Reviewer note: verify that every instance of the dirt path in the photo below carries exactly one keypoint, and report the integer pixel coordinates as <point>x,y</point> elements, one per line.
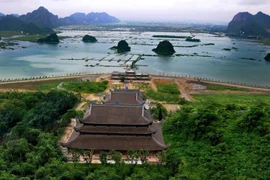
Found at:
<point>152,85</point>
<point>16,90</point>
<point>184,89</point>
<point>238,86</point>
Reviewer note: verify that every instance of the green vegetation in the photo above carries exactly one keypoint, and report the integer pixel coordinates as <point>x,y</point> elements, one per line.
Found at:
<point>192,46</point>
<point>51,39</point>
<point>86,86</point>
<point>31,38</point>
<point>192,55</point>
<point>7,45</point>
<point>122,47</point>
<point>164,48</point>
<point>225,88</point>
<point>9,33</point>
<point>215,137</point>
<point>232,98</point>
<point>226,49</point>
<point>159,112</point>
<point>265,41</point>
<point>208,44</point>
<point>267,57</point>
<point>191,39</point>
<point>155,95</point>
<point>165,92</point>
<point>228,136</point>
<point>170,36</point>
<point>250,59</point>
<point>88,38</point>
<point>170,88</point>
<point>47,86</point>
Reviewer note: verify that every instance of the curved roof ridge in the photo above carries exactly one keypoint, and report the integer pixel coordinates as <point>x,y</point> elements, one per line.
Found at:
<point>69,142</point>
<point>147,120</point>
<point>159,143</point>
<point>153,129</point>
<point>79,127</point>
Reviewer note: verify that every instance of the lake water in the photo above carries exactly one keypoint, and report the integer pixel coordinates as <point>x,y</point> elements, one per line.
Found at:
<point>233,66</point>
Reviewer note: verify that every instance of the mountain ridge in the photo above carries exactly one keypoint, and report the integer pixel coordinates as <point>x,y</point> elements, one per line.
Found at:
<point>245,24</point>
<point>12,23</point>
<point>44,18</point>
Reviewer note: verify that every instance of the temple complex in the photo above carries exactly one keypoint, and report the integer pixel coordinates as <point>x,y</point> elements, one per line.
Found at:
<point>120,123</point>
<point>130,76</point>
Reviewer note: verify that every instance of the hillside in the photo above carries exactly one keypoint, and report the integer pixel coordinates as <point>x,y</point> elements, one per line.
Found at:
<point>41,21</point>
<point>12,23</point>
<point>245,24</point>
<point>44,18</point>
<point>41,17</point>
<point>91,18</point>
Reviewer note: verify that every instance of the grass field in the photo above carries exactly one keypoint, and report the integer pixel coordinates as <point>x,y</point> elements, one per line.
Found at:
<point>166,91</point>
<point>35,85</point>
<point>265,42</point>
<point>225,88</point>
<point>232,98</point>
<point>169,88</point>
<point>31,38</point>
<point>9,33</point>
<point>86,86</point>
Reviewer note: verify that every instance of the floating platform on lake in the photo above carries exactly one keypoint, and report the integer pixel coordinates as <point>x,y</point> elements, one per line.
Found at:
<point>127,60</point>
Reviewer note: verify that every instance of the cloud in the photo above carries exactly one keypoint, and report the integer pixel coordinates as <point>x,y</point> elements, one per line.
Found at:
<point>253,2</point>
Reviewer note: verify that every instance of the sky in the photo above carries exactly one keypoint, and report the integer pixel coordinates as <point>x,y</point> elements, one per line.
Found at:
<point>187,11</point>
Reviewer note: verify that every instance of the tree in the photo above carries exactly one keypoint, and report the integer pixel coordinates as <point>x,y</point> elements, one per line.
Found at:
<point>76,153</point>
<point>116,156</point>
<point>17,149</point>
<point>103,157</point>
<point>88,154</point>
<point>133,156</point>
<point>143,155</point>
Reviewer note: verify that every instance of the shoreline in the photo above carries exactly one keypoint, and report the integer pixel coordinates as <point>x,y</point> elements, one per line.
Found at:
<point>188,80</point>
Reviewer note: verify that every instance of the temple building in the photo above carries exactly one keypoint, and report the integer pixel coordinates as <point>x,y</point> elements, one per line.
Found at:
<point>121,123</point>
<point>130,76</point>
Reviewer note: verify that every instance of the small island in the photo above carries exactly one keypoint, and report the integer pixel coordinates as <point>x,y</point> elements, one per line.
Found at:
<point>267,57</point>
<point>169,36</point>
<point>121,47</point>
<point>191,39</point>
<point>89,39</point>
<point>164,48</point>
<point>51,39</point>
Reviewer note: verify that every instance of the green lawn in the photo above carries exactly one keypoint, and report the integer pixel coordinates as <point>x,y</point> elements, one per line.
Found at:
<point>232,98</point>
<point>9,33</point>
<point>169,88</point>
<point>225,88</point>
<point>86,86</point>
<point>48,86</point>
<point>31,38</point>
<point>165,92</point>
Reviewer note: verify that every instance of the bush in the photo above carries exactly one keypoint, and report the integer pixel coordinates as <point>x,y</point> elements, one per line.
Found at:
<point>86,87</point>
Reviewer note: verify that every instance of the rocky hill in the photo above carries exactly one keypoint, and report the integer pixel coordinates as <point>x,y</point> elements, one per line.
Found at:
<point>91,18</point>
<point>41,17</point>
<point>245,24</point>
<point>42,21</point>
<point>51,39</point>
<point>12,23</point>
<point>164,48</point>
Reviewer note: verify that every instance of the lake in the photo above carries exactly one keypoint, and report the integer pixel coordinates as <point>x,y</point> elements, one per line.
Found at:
<point>211,61</point>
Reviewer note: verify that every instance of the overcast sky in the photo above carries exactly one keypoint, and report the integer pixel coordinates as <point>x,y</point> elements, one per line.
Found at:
<point>210,11</point>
